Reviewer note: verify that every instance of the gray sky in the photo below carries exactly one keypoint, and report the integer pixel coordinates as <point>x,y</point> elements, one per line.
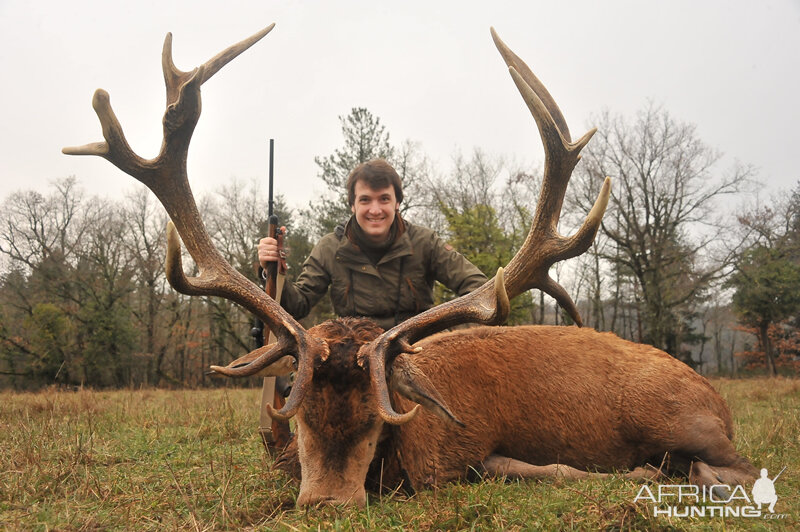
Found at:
<point>428,69</point>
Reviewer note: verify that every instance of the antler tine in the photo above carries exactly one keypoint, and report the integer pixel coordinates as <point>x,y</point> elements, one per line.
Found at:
<point>513,60</point>
<point>166,177</point>
<point>174,78</point>
<point>264,357</point>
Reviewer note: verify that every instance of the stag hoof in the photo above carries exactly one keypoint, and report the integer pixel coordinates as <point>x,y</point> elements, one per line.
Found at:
<point>721,493</point>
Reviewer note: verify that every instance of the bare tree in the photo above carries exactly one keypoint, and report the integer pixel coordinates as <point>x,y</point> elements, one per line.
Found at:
<point>103,284</point>
<point>155,309</point>
<point>663,221</point>
<point>35,227</point>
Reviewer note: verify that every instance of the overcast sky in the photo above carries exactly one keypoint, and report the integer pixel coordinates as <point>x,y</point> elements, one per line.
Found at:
<point>427,68</point>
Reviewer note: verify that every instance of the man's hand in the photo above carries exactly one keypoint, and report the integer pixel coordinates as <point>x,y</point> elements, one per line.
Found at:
<point>268,250</point>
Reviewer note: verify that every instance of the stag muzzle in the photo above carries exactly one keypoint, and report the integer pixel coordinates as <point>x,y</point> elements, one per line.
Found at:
<point>343,495</point>
<point>334,469</point>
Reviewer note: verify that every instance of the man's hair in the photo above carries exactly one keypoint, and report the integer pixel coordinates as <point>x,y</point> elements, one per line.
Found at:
<point>377,174</point>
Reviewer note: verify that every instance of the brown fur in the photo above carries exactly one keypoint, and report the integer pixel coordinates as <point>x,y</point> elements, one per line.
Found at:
<point>336,429</point>
<point>535,394</point>
<point>547,395</point>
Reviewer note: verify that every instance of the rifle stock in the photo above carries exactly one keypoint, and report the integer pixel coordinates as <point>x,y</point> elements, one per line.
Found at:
<point>279,434</point>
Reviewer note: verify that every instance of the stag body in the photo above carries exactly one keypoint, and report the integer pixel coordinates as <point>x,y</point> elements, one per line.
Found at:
<point>550,395</point>
<point>541,401</point>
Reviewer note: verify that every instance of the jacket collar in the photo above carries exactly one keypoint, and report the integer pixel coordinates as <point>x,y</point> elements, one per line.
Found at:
<point>351,253</point>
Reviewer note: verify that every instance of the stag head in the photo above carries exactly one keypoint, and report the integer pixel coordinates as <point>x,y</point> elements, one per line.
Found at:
<point>346,370</point>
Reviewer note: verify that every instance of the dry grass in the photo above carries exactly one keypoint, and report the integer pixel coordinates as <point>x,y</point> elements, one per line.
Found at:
<point>153,459</point>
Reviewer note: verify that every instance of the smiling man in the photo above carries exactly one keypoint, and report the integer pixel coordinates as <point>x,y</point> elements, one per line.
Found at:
<point>377,265</point>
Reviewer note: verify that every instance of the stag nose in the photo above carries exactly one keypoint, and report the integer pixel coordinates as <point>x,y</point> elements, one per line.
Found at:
<point>356,497</point>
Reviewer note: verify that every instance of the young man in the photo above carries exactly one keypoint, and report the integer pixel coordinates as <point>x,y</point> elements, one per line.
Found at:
<point>378,266</point>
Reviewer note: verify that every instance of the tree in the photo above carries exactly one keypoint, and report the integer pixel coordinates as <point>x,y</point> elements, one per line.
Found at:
<point>152,307</point>
<point>767,285</point>
<point>365,138</point>
<point>720,326</point>
<point>661,223</point>
<point>103,285</point>
<point>84,299</point>
<point>40,236</point>
<point>767,275</point>
<point>35,226</point>
<point>67,296</point>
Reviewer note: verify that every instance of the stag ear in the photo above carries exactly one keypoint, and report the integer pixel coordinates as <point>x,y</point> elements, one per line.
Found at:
<point>410,382</point>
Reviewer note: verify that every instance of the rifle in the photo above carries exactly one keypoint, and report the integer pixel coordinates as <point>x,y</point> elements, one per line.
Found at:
<point>779,474</point>
<point>274,433</point>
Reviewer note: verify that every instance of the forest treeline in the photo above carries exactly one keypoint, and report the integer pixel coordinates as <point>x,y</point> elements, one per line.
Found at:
<point>686,260</point>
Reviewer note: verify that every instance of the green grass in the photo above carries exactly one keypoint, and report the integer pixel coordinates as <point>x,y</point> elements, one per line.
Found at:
<point>154,460</point>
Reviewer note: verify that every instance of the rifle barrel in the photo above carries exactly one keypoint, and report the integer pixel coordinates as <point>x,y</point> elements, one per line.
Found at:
<point>271,158</point>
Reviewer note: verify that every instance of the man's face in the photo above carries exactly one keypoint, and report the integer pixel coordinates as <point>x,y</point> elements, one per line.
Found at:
<point>375,210</point>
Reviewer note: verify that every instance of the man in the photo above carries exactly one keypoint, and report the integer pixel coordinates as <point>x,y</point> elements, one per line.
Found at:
<point>378,265</point>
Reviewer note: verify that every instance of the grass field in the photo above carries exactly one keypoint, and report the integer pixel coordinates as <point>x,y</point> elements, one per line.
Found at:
<point>155,460</point>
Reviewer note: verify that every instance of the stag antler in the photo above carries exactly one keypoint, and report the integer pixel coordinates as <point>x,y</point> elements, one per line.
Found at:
<point>544,246</point>
<point>166,176</point>
<point>529,267</point>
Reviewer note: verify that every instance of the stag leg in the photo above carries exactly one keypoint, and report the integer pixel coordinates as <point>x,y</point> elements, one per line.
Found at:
<point>502,466</point>
<point>738,471</point>
<point>706,453</point>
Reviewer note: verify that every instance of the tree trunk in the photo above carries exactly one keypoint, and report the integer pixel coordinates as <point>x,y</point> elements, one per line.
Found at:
<point>598,313</point>
<point>766,345</point>
<point>541,308</point>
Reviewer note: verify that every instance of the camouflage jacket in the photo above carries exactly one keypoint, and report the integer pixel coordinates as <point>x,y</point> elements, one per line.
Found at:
<point>398,287</point>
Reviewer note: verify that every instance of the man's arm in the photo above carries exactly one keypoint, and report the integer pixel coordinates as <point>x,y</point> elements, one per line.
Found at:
<point>453,270</point>
<point>300,296</point>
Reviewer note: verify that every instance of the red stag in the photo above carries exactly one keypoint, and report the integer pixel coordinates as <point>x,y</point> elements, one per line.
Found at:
<point>416,408</point>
